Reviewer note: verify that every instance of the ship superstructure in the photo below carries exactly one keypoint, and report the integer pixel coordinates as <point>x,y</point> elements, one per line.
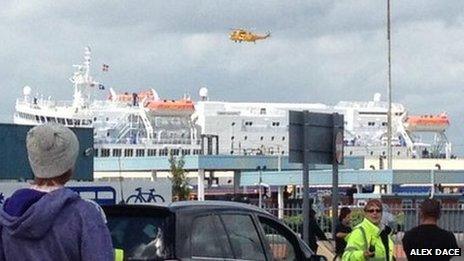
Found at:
<point>125,125</point>
<point>144,125</point>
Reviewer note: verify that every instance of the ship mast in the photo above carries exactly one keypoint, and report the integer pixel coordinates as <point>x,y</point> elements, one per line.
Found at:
<point>83,82</point>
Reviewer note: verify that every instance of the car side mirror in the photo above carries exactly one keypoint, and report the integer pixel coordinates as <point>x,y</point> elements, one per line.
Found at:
<point>318,258</point>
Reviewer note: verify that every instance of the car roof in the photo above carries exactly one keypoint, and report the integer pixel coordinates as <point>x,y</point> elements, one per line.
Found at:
<point>214,204</point>
<point>192,205</point>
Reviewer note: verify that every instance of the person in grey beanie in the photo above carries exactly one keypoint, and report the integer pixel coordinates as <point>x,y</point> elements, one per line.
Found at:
<point>48,221</point>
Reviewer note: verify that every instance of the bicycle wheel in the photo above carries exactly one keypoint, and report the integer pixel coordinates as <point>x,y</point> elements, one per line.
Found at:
<point>158,198</point>
<point>134,199</point>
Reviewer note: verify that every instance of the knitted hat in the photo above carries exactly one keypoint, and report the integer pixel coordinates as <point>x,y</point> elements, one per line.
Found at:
<point>52,150</point>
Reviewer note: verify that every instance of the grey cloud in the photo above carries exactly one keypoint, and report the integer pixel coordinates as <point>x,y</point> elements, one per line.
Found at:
<point>320,51</point>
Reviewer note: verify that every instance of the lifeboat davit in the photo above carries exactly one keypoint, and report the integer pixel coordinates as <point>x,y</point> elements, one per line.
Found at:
<point>433,123</point>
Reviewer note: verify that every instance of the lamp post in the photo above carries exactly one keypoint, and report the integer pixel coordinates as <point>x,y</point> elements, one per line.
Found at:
<point>432,180</point>
<point>232,137</point>
<point>389,115</point>
<point>260,181</point>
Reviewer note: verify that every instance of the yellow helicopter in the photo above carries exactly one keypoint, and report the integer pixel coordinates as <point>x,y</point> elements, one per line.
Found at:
<point>239,35</point>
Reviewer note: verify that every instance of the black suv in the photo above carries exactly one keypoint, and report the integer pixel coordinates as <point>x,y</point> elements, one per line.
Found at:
<point>202,230</point>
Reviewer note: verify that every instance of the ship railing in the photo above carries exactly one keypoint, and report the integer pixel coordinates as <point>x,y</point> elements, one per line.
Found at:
<point>147,141</point>
<point>44,103</point>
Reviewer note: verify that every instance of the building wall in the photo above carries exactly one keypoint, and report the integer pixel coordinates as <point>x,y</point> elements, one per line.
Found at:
<point>417,164</point>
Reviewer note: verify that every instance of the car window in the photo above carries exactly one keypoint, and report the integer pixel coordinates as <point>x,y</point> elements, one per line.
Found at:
<point>209,239</point>
<point>282,244</point>
<point>243,237</point>
<point>141,238</point>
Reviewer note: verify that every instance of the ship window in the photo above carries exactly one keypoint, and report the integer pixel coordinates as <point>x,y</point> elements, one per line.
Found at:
<point>262,111</point>
<point>175,152</point>
<point>232,124</point>
<point>105,152</point>
<point>372,153</point>
<point>351,152</point>
<point>196,152</point>
<point>245,138</point>
<point>283,137</point>
<point>37,118</point>
<point>85,122</point>
<point>61,121</point>
<point>42,119</point>
<point>283,152</point>
<point>164,152</point>
<point>151,152</point>
<point>139,152</point>
<point>272,138</point>
<point>232,138</point>
<point>96,152</point>
<point>398,153</point>
<point>77,122</point>
<point>116,152</point>
<point>384,124</point>
<point>231,152</point>
<point>371,123</point>
<point>69,121</point>
<point>261,138</point>
<point>248,123</point>
<point>128,153</point>
<point>107,119</point>
<point>94,118</point>
<point>275,123</point>
<point>185,152</point>
<point>383,153</point>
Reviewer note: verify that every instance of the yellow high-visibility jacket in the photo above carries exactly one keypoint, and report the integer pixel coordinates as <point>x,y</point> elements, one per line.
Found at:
<point>363,236</point>
<point>118,254</point>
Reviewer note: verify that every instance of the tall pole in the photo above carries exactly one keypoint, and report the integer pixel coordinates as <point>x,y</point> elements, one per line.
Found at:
<point>306,209</point>
<point>259,191</point>
<point>389,115</point>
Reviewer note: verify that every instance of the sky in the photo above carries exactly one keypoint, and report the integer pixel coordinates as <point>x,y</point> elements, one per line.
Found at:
<point>319,51</point>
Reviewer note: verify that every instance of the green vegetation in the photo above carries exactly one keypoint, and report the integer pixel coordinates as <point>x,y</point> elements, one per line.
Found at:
<point>180,187</point>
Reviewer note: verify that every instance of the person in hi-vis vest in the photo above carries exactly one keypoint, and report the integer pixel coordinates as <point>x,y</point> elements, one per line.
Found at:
<point>368,241</point>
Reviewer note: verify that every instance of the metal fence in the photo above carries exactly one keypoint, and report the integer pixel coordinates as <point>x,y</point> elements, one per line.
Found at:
<point>400,218</point>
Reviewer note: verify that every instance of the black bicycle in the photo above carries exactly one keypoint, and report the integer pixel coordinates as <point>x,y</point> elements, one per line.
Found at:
<point>145,197</point>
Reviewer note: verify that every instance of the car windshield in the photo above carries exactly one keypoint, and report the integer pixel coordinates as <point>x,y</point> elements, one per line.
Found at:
<point>141,237</point>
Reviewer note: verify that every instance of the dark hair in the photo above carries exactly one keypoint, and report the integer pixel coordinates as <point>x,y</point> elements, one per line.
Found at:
<point>344,211</point>
<point>60,180</point>
<point>431,208</point>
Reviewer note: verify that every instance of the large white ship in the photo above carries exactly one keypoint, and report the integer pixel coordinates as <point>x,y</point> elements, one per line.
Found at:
<point>144,125</point>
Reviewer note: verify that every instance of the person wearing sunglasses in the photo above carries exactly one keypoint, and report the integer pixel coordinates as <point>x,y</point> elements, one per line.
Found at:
<point>365,242</point>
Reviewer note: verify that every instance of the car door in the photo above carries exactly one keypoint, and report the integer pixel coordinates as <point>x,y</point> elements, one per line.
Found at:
<point>281,242</point>
<point>208,239</point>
<point>244,237</point>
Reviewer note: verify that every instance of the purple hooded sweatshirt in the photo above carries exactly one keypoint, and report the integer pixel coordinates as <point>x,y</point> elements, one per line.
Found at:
<point>52,226</point>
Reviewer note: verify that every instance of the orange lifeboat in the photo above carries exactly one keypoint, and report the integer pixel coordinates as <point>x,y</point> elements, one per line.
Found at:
<point>134,98</point>
<point>125,97</point>
<point>433,123</point>
<point>182,106</point>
